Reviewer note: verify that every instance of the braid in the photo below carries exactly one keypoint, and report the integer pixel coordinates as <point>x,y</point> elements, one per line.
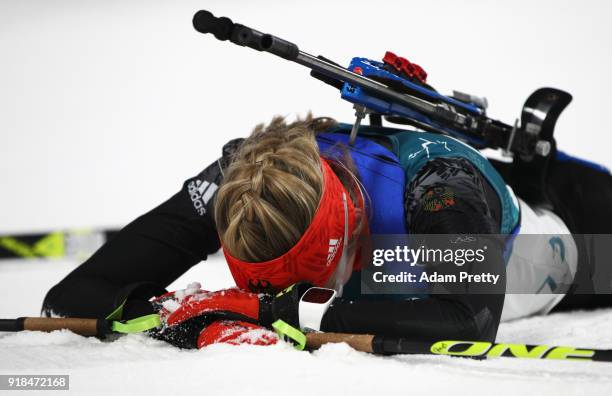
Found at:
<point>271,190</point>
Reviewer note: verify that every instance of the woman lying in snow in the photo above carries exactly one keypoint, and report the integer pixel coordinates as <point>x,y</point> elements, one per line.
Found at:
<point>288,206</point>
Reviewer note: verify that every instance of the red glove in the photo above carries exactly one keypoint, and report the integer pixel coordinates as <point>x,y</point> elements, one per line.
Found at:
<point>182,305</point>
<point>235,333</point>
<point>187,315</point>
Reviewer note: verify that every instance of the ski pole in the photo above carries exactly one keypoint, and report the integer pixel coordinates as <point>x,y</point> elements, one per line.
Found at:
<point>379,345</point>
<point>382,345</point>
<point>81,326</point>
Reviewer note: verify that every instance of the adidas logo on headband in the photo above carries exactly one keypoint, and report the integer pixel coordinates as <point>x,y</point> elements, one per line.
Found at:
<point>333,249</point>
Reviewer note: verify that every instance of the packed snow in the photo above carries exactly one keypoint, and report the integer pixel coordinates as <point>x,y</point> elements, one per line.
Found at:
<point>136,364</point>
<point>106,107</point>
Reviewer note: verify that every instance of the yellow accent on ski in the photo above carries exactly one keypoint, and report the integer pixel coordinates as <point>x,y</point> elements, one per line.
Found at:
<point>518,350</point>
<point>475,348</point>
<point>51,245</point>
<point>570,353</point>
<point>482,348</point>
<point>17,247</point>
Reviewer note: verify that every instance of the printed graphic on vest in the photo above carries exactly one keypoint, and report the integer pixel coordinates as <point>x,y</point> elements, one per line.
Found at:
<point>425,147</point>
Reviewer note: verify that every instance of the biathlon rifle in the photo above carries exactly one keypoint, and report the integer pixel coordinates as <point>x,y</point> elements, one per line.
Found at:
<point>396,89</point>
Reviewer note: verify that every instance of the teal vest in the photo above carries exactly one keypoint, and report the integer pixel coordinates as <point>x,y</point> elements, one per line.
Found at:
<point>414,149</point>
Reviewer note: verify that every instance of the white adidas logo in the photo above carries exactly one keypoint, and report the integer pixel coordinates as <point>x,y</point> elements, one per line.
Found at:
<point>200,193</point>
<point>334,244</point>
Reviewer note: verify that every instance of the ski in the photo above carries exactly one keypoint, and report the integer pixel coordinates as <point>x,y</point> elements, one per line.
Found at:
<point>72,243</point>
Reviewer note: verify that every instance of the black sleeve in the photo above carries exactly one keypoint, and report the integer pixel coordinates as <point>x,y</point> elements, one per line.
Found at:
<point>448,196</point>
<point>146,255</point>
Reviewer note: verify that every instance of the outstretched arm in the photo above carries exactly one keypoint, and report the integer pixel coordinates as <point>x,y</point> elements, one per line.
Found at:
<point>146,255</point>
<point>474,209</point>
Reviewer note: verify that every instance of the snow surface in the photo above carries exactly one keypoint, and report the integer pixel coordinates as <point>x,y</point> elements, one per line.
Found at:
<point>88,108</point>
<point>134,364</point>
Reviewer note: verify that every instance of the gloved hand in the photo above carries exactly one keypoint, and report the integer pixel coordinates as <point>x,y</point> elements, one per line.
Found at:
<point>186,314</point>
<point>235,333</point>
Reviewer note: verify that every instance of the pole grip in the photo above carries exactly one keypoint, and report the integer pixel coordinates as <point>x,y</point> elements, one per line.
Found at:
<point>85,327</point>
<point>11,324</point>
<point>359,342</point>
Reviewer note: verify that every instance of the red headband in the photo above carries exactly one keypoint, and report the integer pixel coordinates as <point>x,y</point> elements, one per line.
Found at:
<point>315,256</point>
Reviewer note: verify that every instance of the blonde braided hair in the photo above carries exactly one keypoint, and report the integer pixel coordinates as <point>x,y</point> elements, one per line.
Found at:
<point>271,190</point>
